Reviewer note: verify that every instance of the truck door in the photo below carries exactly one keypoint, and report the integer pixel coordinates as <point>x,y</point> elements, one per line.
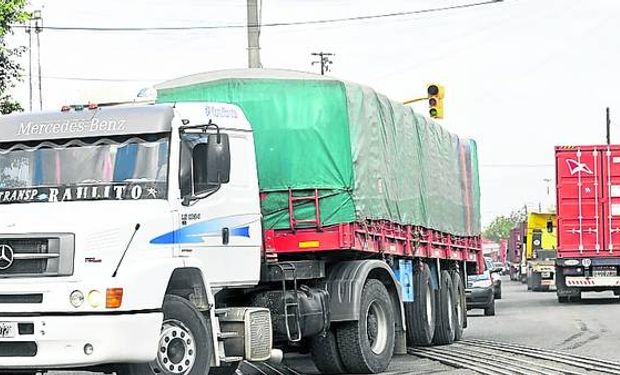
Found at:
<point>611,199</point>
<point>219,216</point>
<point>580,194</point>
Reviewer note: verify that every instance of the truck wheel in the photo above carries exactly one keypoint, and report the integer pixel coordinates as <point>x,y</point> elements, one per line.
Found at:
<point>325,355</point>
<point>420,314</point>
<point>562,299</point>
<point>490,310</point>
<point>185,344</point>
<point>536,281</point>
<point>498,293</point>
<point>459,304</point>
<point>446,313</point>
<point>366,345</point>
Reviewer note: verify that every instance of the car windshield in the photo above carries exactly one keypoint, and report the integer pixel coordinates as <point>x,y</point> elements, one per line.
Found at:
<point>128,167</point>
<point>488,264</point>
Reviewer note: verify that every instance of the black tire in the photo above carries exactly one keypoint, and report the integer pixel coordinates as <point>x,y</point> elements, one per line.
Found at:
<point>181,322</point>
<point>490,310</point>
<point>366,346</point>
<point>562,299</point>
<point>446,313</point>
<point>225,369</point>
<point>420,314</point>
<point>325,355</point>
<point>536,282</point>
<point>460,305</point>
<point>498,292</point>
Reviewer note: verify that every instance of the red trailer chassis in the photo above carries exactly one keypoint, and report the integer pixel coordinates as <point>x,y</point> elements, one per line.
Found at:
<point>375,236</point>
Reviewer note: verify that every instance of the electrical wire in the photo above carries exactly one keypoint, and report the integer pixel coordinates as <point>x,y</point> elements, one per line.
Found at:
<point>274,24</point>
<point>67,78</point>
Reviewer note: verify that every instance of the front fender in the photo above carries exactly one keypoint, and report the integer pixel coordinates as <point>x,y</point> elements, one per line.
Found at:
<point>144,284</point>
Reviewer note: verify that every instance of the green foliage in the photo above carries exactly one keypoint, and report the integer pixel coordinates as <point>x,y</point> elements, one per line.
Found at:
<point>11,12</point>
<point>500,227</point>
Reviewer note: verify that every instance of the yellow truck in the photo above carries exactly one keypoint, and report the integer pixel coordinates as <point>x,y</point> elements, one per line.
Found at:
<point>538,257</point>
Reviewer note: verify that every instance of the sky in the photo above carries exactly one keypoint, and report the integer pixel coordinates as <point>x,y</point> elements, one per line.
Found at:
<point>521,76</point>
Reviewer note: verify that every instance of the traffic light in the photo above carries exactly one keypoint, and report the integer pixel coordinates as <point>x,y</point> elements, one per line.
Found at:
<point>435,100</point>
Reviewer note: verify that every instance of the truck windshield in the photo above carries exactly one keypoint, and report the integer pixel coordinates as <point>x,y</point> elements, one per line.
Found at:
<point>116,168</point>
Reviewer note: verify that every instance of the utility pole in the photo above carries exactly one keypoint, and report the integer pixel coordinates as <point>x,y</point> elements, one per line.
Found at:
<point>323,60</point>
<point>253,35</point>
<point>38,28</point>
<point>608,124</point>
<point>547,180</point>
<point>29,32</point>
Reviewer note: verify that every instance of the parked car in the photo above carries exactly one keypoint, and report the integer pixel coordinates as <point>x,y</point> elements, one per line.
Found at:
<point>480,293</point>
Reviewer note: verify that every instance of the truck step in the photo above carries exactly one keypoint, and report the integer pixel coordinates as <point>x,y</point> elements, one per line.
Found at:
<point>231,359</point>
<point>227,335</point>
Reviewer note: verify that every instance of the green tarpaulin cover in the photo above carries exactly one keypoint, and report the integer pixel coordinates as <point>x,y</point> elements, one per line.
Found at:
<point>370,157</point>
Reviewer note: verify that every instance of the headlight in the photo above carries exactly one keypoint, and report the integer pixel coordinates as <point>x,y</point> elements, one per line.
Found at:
<point>485,283</point>
<point>95,298</point>
<point>76,298</point>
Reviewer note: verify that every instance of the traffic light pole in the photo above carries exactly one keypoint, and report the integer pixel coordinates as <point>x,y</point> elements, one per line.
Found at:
<point>415,100</point>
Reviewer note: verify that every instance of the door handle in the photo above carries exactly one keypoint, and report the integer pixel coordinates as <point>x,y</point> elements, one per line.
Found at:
<point>225,236</point>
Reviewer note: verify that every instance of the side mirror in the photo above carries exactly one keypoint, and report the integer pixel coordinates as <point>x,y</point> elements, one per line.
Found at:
<point>211,162</point>
<point>218,159</point>
<point>549,226</point>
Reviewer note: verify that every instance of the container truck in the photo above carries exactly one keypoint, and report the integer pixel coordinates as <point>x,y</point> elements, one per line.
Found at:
<point>540,250</point>
<point>515,246</point>
<point>248,210</point>
<point>588,201</point>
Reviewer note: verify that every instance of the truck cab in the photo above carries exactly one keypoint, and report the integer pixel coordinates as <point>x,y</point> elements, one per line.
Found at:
<point>540,252</point>
<point>107,240</point>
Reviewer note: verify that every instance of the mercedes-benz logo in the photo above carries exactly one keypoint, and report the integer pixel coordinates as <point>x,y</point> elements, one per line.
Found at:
<point>6,256</point>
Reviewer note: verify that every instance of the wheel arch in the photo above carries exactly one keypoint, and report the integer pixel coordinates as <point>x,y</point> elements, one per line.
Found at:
<point>345,282</point>
<point>188,283</point>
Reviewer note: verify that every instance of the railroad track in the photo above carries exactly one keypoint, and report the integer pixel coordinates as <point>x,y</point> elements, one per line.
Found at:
<point>493,357</point>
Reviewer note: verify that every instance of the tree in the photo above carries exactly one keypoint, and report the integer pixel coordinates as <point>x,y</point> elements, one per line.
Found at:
<point>500,227</point>
<point>11,12</point>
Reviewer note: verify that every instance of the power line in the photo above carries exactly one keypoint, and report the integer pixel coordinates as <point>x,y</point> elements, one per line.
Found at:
<point>66,78</point>
<point>274,24</point>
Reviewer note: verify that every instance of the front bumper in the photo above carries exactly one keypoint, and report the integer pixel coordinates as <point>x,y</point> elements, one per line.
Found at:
<point>60,340</point>
<point>478,298</point>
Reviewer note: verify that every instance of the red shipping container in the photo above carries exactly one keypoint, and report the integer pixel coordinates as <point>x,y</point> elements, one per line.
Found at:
<point>588,201</point>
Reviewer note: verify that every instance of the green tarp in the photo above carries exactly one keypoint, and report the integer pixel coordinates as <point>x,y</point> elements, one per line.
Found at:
<point>370,157</point>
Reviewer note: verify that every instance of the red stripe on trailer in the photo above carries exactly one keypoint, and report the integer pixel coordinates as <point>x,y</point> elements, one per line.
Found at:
<point>375,236</point>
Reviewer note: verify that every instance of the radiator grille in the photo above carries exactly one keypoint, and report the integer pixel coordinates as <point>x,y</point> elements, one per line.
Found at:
<point>36,255</point>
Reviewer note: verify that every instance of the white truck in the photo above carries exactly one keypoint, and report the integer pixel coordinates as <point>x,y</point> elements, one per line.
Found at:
<point>131,241</point>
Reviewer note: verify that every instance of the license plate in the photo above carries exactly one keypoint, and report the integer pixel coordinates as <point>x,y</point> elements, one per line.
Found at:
<point>546,282</point>
<point>604,273</point>
<point>546,275</point>
<point>8,329</point>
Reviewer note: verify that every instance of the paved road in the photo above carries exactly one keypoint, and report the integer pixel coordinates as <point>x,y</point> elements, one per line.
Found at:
<point>536,319</point>
<point>530,318</point>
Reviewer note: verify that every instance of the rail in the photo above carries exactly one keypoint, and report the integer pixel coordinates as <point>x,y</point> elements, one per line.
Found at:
<point>493,357</point>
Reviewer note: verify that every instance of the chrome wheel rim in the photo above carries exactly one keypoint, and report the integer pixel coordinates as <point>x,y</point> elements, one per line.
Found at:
<point>429,308</point>
<point>459,312</point>
<point>176,351</point>
<point>450,305</point>
<point>376,327</point>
